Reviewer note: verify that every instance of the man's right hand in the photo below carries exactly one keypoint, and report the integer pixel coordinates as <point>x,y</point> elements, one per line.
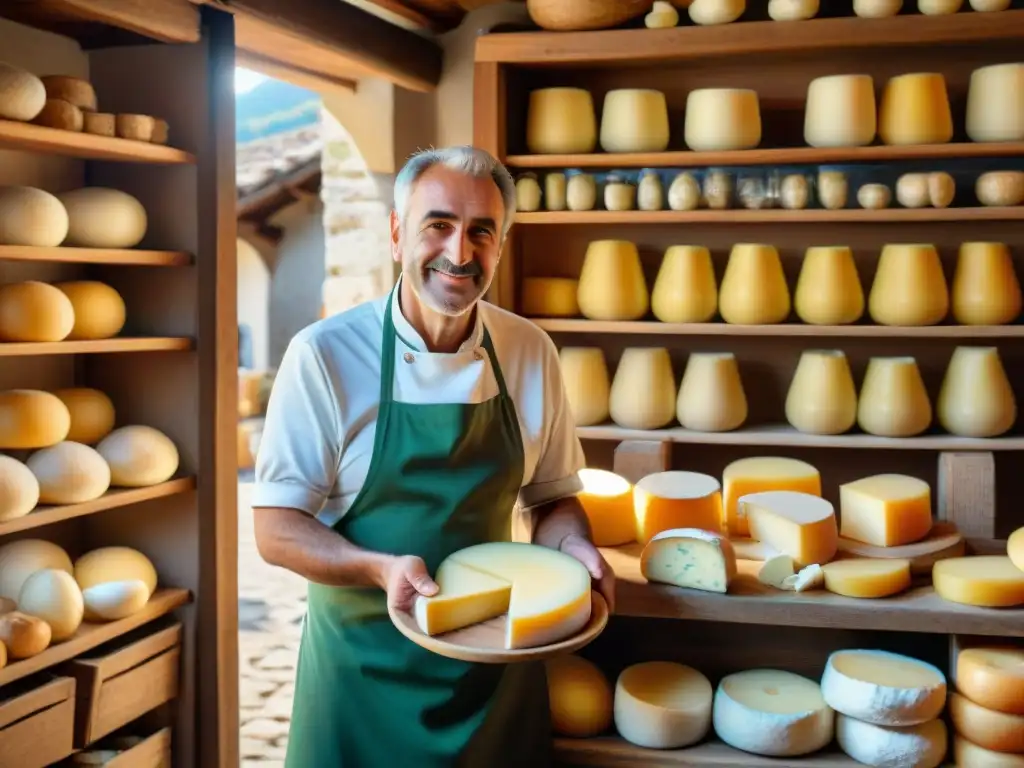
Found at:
<point>405,579</point>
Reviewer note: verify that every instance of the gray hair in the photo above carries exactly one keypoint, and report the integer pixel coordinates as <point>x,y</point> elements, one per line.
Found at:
<point>464,159</point>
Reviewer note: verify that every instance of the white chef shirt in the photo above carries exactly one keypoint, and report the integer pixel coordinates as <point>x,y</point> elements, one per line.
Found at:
<point>321,418</point>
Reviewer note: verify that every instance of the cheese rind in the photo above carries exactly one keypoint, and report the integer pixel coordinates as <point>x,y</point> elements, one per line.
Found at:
<point>885,510</point>
<point>883,688</point>
<point>800,525</point>
<point>992,677</point>
<point>967,753</point>
<point>920,746</point>
<point>763,473</point>
<point>689,557</point>
<point>864,578</point>
<point>666,500</point>
<point>662,705</point>
<point>607,501</point>
<point>990,581</point>
<point>998,731</point>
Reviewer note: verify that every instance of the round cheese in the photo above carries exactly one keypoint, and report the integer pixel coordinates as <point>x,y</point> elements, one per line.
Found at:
<point>99,309</point>
<point>1000,188</point>
<point>754,289</point>
<point>587,383</point>
<point>720,119</point>
<point>822,399</point>
<point>550,297</point>
<point>53,596</point>
<point>914,109</point>
<point>115,600</point>
<point>893,400</point>
<point>920,746</point>
<point>995,103</point>
<point>579,695</point>
<point>828,290</point>
<point>634,120</point>
<point>24,636</point>
<point>988,728</point>
<point>865,578</point>
<point>1015,548</point>
<point>30,216</point>
<point>31,418</point>
<point>968,754</point>
<point>662,705</point>
<point>792,10</point>
<point>103,218</point>
<point>92,414</point>
<point>990,6</point>
<point>772,712</point>
<point>990,581</point>
<point>73,90</point>
<point>138,456</point>
<point>709,12</point>
<point>21,558</point>
<point>69,473</point>
<point>107,564</point>
<point>985,289</point>
<point>976,399</point>
<point>19,489</point>
<point>883,688</point>
<point>840,111</point>
<point>32,311</point>
<point>22,94</point>
<point>711,396</point>
<point>992,677</point>
<point>612,284</point>
<point>607,500</point>
<point>685,290</point>
<point>643,393</point>
<point>876,9</point>
<point>909,287</point>
<point>560,121</point>
<point>939,7</point>
<point>665,501</point>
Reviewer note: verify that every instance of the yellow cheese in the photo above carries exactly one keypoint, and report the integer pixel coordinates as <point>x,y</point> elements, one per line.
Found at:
<point>822,399</point>
<point>914,109</point>
<point>1015,548</point>
<point>99,309</point>
<point>643,393</point>
<point>721,119</point>
<point>797,524</point>
<point>550,297</point>
<point>991,581</point>
<point>107,564</point>
<point>909,286</point>
<point>976,399</point>
<point>32,311</point>
<point>840,111</point>
<point>920,746</point>
<point>988,728</point>
<point>612,284</point>
<point>763,473</point>
<point>685,289</point>
<point>560,121</point>
<point>885,510</point>
<point>969,754</point>
<point>666,500</point>
<point>662,705</point>
<point>992,677</point>
<point>939,7</point>
<point>893,400</point>
<point>864,578</point>
<point>607,500</point>
<point>828,290</point>
<point>548,600</point>
<point>30,216</point>
<point>31,418</point>
<point>1000,188</point>
<point>587,383</point>
<point>22,94</point>
<point>792,10</point>
<point>942,542</point>
<point>52,595</point>
<point>985,289</point>
<point>876,9</point>
<point>465,596</point>
<point>995,103</point>
<point>691,558</point>
<point>754,289</point>
<point>21,558</point>
<point>710,12</point>
<point>19,489</point>
<point>711,396</point>
<point>99,217</point>
<point>92,414</point>
<point>634,120</point>
<point>138,456</point>
<point>69,473</point>
<point>579,696</point>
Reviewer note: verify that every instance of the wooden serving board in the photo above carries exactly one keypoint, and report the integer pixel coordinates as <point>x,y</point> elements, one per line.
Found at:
<point>485,642</point>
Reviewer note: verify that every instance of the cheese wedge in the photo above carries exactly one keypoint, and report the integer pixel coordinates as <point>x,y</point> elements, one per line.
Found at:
<point>662,705</point>
<point>863,578</point>
<point>689,557</point>
<point>666,500</point>
<point>920,746</point>
<point>885,510</point>
<point>763,473</point>
<point>465,596</point>
<point>800,525</point>
<point>987,728</point>
<point>990,581</point>
<point>992,677</point>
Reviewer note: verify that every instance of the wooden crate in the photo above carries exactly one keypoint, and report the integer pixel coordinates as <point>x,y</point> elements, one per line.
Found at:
<point>37,723</point>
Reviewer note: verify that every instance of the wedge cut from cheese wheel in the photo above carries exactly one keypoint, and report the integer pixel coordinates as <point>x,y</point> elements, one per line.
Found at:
<point>988,728</point>
<point>992,676</point>
<point>885,510</point>
<point>20,559</point>
<point>942,542</point>
<point>689,557</point>
<point>797,524</point>
<point>967,753</point>
<point>32,311</point>
<point>19,489</point>
<point>763,473</point>
<point>662,705</point>
<point>910,746</point>
<point>31,418</point>
<point>550,297</point>
<point>607,500</point>
<point>863,578</point>
<point>579,695</point>
<point>990,581</point>
<point>666,500</point>
<point>465,597</point>
<point>772,712</point>
<point>1015,548</point>
<point>883,688</point>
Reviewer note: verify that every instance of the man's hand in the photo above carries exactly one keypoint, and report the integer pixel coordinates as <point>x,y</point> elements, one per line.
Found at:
<point>405,579</point>
<point>579,547</point>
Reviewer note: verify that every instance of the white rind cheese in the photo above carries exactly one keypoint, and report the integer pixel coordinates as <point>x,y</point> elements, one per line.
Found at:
<point>912,746</point>
<point>690,557</point>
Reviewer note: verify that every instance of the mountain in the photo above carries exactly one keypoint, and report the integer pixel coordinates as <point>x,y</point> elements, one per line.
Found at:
<point>273,107</point>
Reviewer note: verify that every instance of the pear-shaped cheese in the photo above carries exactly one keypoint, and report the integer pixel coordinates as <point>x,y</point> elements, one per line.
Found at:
<point>31,418</point>
<point>69,473</point>
<point>976,399</point>
<point>113,600</point>
<point>107,564</point>
<point>19,489</point>
<point>711,396</point>
<point>643,394</point>
<point>893,400</point>
<point>21,558</point>
<point>685,290</point>
<point>822,399</point>
<point>914,109</point>
<point>587,385</point>
<point>138,456</point>
<point>754,289</point>
<point>53,596</point>
<point>828,291</point>
<point>986,290</point>
<point>910,287</point>
<point>612,284</point>
<point>32,311</point>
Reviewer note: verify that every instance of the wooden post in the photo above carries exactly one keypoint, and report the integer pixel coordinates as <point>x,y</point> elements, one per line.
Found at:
<point>967,493</point>
<point>636,458</point>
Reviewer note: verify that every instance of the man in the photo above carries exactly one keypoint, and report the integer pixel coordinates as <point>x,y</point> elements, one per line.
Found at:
<point>398,432</point>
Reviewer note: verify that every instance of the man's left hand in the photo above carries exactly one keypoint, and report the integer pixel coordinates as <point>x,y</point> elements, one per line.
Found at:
<point>583,550</point>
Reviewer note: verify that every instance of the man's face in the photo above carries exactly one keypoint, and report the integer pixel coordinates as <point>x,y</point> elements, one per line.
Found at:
<point>450,241</point>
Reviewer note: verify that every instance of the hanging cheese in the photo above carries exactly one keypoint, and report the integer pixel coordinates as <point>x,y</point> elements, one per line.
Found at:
<point>24,636</point>
<point>876,9</point>
<point>116,563</point>
<point>711,396</point>
<point>976,399</point>
<point>666,500</point>
<point>32,311</point>
<point>886,510</point>
<point>822,399</point>
<point>19,489</point>
<point>992,677</point>
<point>893,401</point>
<point>772,712</point>
<point>883,688</point>
<point>941,543</point>
<point>634,120</point>
<point>99,217</point>
<point>690,558</point>
<point>985,290</point>
<point>840,111</point>
<point>69,473</point>
<point>685,290</point>
<point>607,500</point>
<point>1015,548</point>
<point>612,284</point>
<point>995,103</point>
<point>754,289</point>
<point>968,754</point>
<point>662,705</point>
<point>914,109</point>
<point>550,297</point>
<point>113,600</point>
<point>920,746</point>
<point>763,473</point>
<point>31,418</point>
<point>988,728</point>
<point>53,596</point>
<point>990,581</point>
<point>138,456</point>
<point>909,286</point>
<point>801,525</point>
<point>864,578</point>
<point>587,383</point>
<point>579,696</point>
<point>30,216</point>
<point>721,119</point>
<point>643,393</point>
<point>20,559</point>
<point>92,414</point>
<point>828,290</point>
<point>560,121</point>
<point>22,94</point>
<point>99,309</point>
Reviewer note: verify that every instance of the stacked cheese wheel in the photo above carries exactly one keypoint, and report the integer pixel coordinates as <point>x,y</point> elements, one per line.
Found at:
<point>987,706</point>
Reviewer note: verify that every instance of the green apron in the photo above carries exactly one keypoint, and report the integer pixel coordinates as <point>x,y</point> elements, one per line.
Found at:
<point>442,477</point>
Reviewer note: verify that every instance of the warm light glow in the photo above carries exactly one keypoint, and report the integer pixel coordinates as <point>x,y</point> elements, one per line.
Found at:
<point>246,79</point>
<point>601,482</point>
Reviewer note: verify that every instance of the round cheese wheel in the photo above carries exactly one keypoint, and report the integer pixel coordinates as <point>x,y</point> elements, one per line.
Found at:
<point>992,677</point>
<point>69,473</point>
<point>662,705</point>
<point>988,728</point>
<point>99,309</point>
<point>53,596</point>
<point>19,489</point>
<point>99,217</point>
<point>115,600</point>
<point>20,559</point>
<point>968,753</point>
<point>138,456</point>
<point>107,564</point>
<point>883,688</point>
<point>92,414</point>
<point>32,311</point>
<point>30,216</point>
<point>580,696</point>
<point>22,94</point>
<point>922,746</point>
<point>31,418</point>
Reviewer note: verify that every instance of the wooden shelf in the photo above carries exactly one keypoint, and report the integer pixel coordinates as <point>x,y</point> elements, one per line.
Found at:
<point>773,216</point>
<point>136,344</point>
<point>683,43</point>
<point>657,328</point>
<point>47,515</point>
<point>750,602</point>
<point>90,635</point>
<point>115,256</point>
<point>87,146</point>
<point>615,752</point>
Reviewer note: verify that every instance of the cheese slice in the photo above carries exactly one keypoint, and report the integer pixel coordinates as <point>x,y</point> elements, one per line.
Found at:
<point>920,746</point>
<point>883,688</point>
<point>859,577</point>
<point>992,676</point>
<point>662,705</point>
<point>689,557</point>
<point>998,731</point>
<point>772,712</point>
<point>797,524</point>
<point>969,754</point>
<point>763,473</point>
<point>991,581</point>
<point>666,500</point>
<point>465,596</point>
<point>607,500</point>
<point>885,510</point>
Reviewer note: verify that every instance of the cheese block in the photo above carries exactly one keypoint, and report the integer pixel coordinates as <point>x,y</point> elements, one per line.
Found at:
<point>985,289</point>
<point>32,311</point>
<point>840,111</point>
<point>587,383</point>
<point>69,473</point>
<point>943,541</point>
<point>116,563</point>
<point>992,677</point>
<point>822,399</point>
<point>772,712</point>
<point>662,705</point>
<point>22,94</point>
<point>549,297</point>
<point>52,595</point>
<point>722,119</point>
<point>666,500</point>
<point>685,289</point>
<point>754,289</point>
<point>612,284</point>
<point>763,473</point>
<point>886,510</point>
<point>1015,548</point>
<point>560,121</point>
<point>864,578</point>
<point>547,593</point>
<point>31,418</point>
<point>634,120</point>
<point>21,558</point>
<point>30,216</point>
<point>909,287</point>
<point>976,398</point>
<point>995,103</point>
<point>920,746</point>
<point>883,688</point>
<point>607,500</point>
<point>914,109</point>
<point>828,289</point>
<point>99,217</point>
<point>99,309</point>
<point>691,558</point>
<point>579,696</point>
<point>988,728</point>
<point>797,524</point>
<point>643,393</point>
<point>92,413</point>
<point>19,489</point>
<point>967,753</point>
<point>138,456</point>
<point>893,400</point>
<point>711,396</point>
<point>991,581</point>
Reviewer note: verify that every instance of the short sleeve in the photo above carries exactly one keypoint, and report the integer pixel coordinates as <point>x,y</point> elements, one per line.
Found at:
<point>298,457</point>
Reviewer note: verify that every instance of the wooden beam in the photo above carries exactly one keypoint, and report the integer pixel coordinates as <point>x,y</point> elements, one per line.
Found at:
<point>296,75</point>
<point>170,21</point>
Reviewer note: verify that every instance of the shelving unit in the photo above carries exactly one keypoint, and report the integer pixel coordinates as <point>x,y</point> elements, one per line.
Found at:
<point>974,481</point>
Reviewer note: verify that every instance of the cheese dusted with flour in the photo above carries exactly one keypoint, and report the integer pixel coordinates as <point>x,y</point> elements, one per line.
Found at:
<point>689,557</point>
<point>992,677</point>
<point>990,581</point>
<point>674,499</point>
<point>886,510</point>
<point>662,705</point>
<point>920,746</point>
<point>883,688</point>
<point>797,524</point>
<point>763,473</point>
<point>988,728</point>
<point>865,578</point>
<point>607,500</point>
